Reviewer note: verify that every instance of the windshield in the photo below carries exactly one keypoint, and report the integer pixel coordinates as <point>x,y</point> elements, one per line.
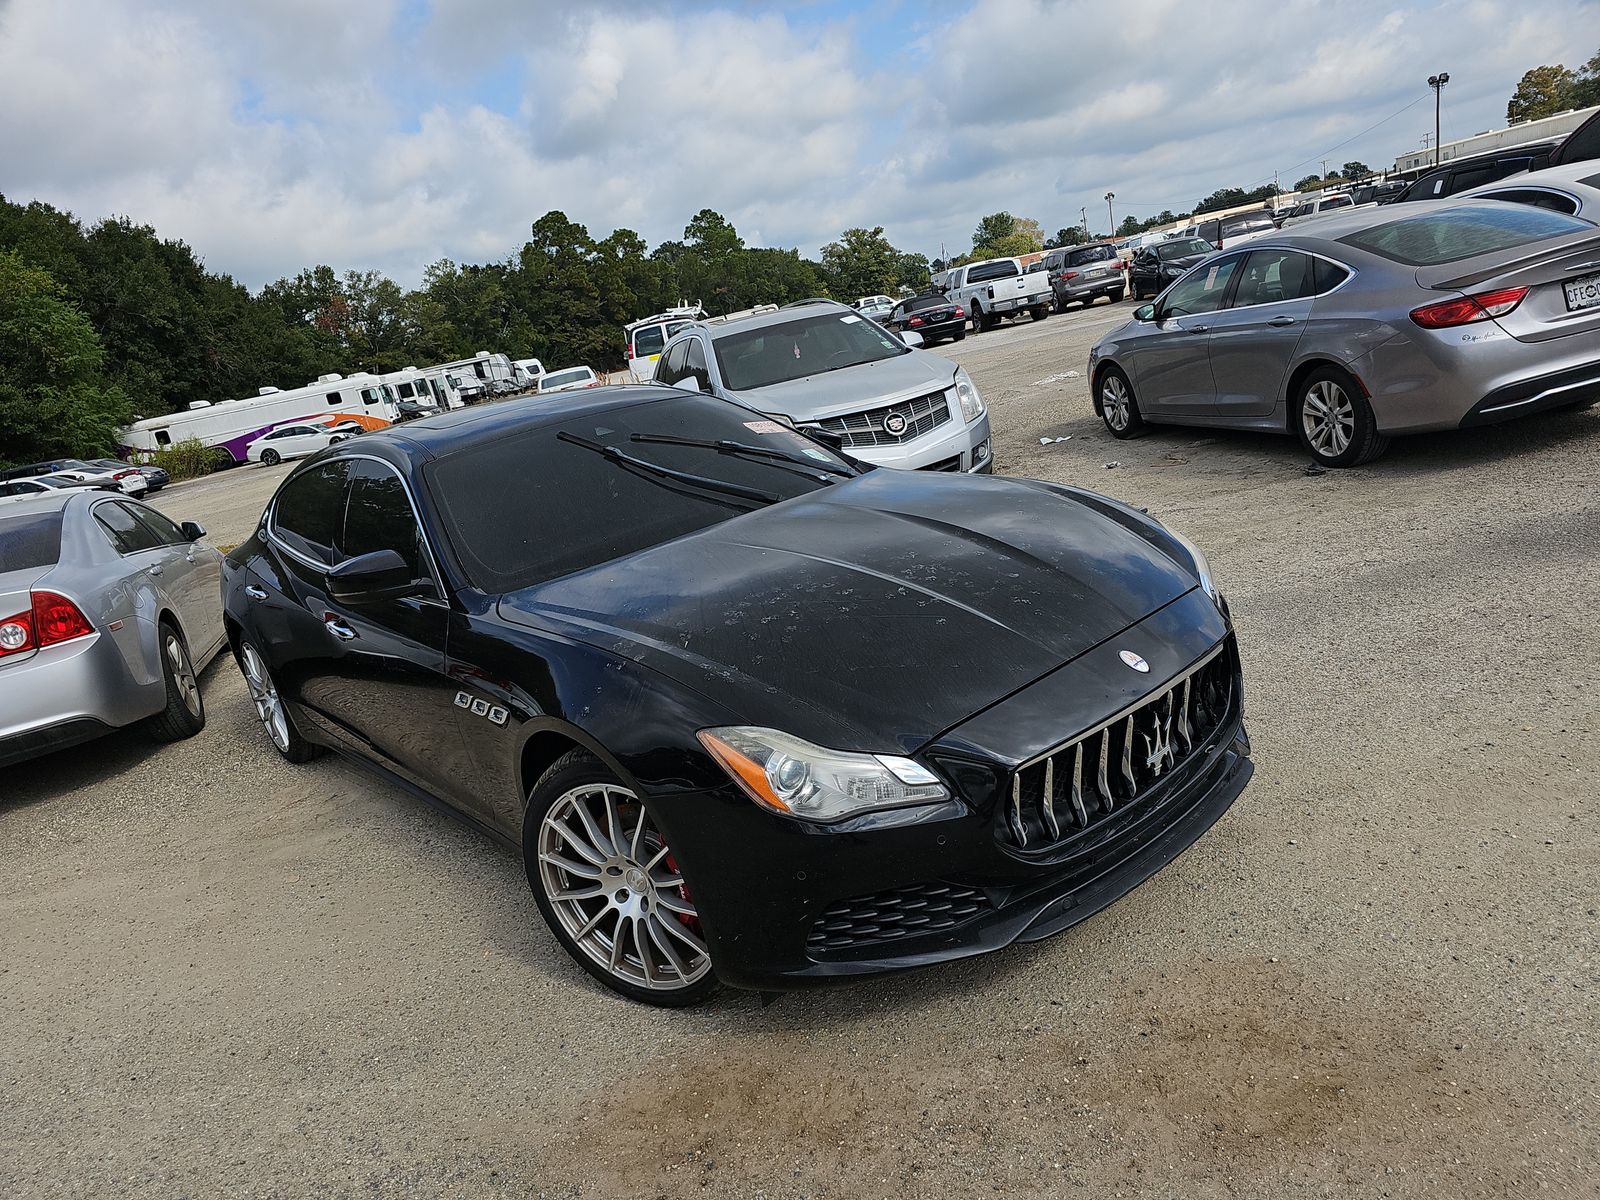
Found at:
<point>558,506</point>
<point>1090,254</point>
<point>918,303</point>
<point>769,354</point>
<point>30,541</point>
<point>1238,225</point>
<point>1183,248</point>
<point>1465,232</point>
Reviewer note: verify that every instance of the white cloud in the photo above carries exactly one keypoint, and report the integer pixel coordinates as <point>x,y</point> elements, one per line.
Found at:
<point>374,133</point>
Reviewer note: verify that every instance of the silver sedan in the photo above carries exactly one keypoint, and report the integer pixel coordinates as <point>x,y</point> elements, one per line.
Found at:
<point>108,612</point>
<point>1352,328</point>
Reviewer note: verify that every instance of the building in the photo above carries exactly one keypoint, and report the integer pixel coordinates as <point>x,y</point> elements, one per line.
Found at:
<point>1520,134</point>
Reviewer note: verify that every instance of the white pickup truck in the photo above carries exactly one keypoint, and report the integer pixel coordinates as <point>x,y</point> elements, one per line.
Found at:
<point>998,287</point>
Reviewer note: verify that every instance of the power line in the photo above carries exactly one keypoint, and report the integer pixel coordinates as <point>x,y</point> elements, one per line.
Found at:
<point>1329,152</point>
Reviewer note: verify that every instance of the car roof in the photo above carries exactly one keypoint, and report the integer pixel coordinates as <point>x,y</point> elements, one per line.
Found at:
<point>51,501</point>
<point>462,427</point>
<point>1586,171</point>
<point>782,316</point>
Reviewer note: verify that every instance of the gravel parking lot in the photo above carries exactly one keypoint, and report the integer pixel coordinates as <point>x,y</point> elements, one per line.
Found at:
<point>225,975</point>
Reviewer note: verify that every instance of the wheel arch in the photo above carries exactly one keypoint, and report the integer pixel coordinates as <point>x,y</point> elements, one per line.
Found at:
<point>1100,369</point>
<point>1298,376</point>
<point>548,741</point>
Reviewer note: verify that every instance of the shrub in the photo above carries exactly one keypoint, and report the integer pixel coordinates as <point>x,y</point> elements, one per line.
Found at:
<point>189,459</point>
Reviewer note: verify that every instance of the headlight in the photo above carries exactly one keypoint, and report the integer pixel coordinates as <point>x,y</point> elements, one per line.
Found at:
<point>967,394</point>
<point>1202,567</point>
<point>791,776</point>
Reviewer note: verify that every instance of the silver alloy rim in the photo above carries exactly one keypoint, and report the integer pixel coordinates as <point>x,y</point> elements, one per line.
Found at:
<point>610,879</point>
<point>265,697</point>
<point>1328,417</point>
<point>1114,402</point>
<point>183,674</point>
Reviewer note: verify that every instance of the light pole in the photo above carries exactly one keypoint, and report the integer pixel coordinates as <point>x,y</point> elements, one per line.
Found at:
<point>1437,82</point>
<point>1111,217</point>
<point>1083,220</point>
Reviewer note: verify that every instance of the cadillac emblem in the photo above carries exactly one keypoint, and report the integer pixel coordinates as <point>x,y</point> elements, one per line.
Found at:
<point>894,424</point>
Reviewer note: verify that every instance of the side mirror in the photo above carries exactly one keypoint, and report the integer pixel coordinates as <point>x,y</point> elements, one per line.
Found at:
<point>192,530</point>
<point>911,338</point>
<point>371,578</point>
<point>1145,312</point>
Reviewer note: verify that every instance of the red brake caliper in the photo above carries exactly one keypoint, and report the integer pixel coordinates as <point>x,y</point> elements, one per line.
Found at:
<point>683,891</point>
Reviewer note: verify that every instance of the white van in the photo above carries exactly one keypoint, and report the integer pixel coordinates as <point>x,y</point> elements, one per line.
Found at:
<point>645,338</point>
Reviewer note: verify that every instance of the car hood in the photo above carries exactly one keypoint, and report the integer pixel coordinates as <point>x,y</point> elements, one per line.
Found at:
<point>874,614</point>
<point>853,389</point>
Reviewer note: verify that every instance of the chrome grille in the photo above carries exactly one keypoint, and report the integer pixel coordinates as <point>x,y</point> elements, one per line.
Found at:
<point>1079,786</point>
<point>866,428</point>
<point>888,916</point>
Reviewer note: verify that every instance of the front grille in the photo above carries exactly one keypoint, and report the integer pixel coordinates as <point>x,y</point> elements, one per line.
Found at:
<point>889,916</point>
<point>1110,769</point>
<point>866,428</point>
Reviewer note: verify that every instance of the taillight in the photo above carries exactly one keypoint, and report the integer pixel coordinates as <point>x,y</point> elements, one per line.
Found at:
<point>1069,274</point>
<point>628,350</point>
<point>52,619</point>
<point>960,312</point>
<point>1449,313</point>
<point>124,474</point>
<point>914,321</point>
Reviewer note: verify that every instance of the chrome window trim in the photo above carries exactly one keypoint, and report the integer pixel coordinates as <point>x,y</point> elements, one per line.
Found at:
<point>270,517</point>
<point>1350,273</point>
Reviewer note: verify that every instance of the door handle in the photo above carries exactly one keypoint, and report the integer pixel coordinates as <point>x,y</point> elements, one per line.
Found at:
<point>156,569</point>
<point>338,628</point>
<point>1280,322</point>
<point>1196,328</point>
<point>254,592</point>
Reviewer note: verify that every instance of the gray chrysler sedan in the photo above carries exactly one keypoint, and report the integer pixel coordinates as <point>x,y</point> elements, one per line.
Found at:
<point>825,366</point>
<point>1354,327</point>
<point>108,612</point>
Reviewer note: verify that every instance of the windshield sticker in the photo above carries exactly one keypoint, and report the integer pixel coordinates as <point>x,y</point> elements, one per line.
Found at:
<point>813,452</point>
<point>763,427</point>
<point>850,320</point>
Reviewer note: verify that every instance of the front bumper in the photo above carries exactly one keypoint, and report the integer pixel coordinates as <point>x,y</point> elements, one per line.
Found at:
<point>949,447</point>
<point>919,887</point>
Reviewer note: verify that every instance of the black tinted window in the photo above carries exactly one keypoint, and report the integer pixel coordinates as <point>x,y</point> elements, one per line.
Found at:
<point>29,541</point>
<point>1537,198</point>
<point>919,303</point>
<point>379,516</point>
<point>128,534</point>
<point>160,525</point>
<point>1090,254</point>
<point>694,363</point>
<point>829,341</point>
<point>1273,275</point>
<point>1467,231</point>
<point>1201,291</point>
<point>1328,275</point>
<point>1003,269</point>
<point>310,509</point>
<point>556,507</point>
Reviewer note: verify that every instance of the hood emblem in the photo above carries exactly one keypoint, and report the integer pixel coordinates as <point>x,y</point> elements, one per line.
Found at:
<point>894,424</point>
<point>1134,661</point>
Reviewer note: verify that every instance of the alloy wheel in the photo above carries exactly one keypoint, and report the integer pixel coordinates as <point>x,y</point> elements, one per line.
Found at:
<point>1115,402</point>
<point>182,672</point>
<point>613,885</point>
<point>1329,418</point>
<point>264,694</point>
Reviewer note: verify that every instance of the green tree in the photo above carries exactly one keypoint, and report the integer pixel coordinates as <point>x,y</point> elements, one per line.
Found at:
<point>1309,182</point>
<point>1010,246</point>
<point>54,398</point>
<point>860,263</point>
<point>1542,92</point>
<point>913,271</point>
<point>1355,169</point>
<point>1130,226</point>
<point>1585,89</point>
<point>1071,235</point>
<point>1029,228</point>
<point>990,231</point>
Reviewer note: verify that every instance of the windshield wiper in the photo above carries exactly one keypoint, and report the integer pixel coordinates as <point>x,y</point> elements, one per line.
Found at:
<point>820,474</point>
<point>649,468</point>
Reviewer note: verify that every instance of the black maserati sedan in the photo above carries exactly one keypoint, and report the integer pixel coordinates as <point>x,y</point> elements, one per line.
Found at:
<point>753,712</point>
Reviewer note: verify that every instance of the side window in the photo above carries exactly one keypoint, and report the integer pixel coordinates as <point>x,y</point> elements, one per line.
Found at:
<point>1328,275</point>
<point>695,364</point>
<point>1538,198</point>
<point>648,341</point>
<point>310,509</point>
<point>1201,292</point>
<point>1336,202</point>
<point>334,399</point>
<point>669,368</point>
<point>165,530</point>
<point>127,533</point>
<point>380,517</point>
<point>1273,275</point>
<point>163,438</point>
<point>477,369</point>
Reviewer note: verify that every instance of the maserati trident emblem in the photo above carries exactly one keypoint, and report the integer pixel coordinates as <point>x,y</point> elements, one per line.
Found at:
<point>894,424</point>
<point>1159,754</point>
<point>1134,661</point>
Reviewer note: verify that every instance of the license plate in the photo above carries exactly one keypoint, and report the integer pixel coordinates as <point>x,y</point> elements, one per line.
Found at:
<point>1582,293</point>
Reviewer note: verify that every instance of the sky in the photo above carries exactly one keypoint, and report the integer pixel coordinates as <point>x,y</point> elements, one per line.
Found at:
<point>388,134</point>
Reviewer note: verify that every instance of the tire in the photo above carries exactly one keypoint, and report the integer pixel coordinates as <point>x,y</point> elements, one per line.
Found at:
<point>977,318</point>
<point>1119,407</point>
<point>584,882</point>
<point>1334,421</point>
<point>185,713</point>
<point>1116,296</point>
<point>1040,312</point>
<point>1060,304</point>
<point>270,708</point>
<point>270,457</point>
<point>960,335</point>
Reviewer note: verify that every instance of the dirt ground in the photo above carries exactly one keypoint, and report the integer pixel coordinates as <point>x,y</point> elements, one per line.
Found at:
<point>1376,976</point>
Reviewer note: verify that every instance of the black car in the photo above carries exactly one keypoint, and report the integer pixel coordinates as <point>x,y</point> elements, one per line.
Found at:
<point>1459,174</point>
<point>751,711</point>
<point>1156,266</point>
<point>933,316</point>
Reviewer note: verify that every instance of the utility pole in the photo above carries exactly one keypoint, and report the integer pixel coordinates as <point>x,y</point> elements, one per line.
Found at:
<point>1324,168</point>
<point>1437,82</point>
<point>1083,220</point>
<point>1111,217</point>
